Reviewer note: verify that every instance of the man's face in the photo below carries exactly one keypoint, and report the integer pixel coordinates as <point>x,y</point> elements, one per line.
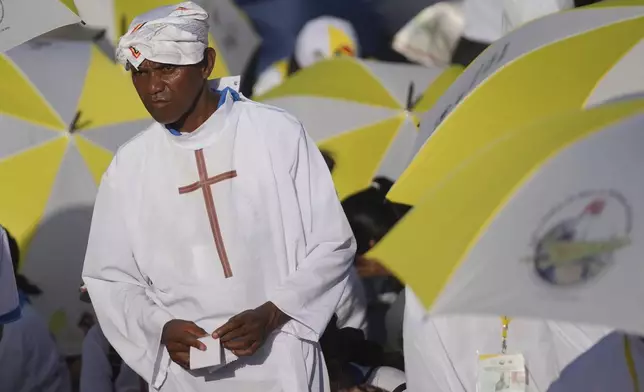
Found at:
<point>169,91</point>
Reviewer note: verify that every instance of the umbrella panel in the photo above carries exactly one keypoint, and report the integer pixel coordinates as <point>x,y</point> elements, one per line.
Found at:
<point>358,153</point>
<point>453,214</point>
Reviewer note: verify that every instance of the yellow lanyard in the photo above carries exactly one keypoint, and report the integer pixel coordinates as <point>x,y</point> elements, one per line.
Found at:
<point>630,362</point>
<point>505,325</point>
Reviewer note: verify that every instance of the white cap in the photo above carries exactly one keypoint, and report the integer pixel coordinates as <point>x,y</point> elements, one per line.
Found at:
<point>387,378</point>
<point>325,37</point>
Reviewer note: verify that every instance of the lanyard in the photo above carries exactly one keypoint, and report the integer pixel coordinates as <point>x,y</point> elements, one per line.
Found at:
<point>630,363</point>
<point>505,325</point>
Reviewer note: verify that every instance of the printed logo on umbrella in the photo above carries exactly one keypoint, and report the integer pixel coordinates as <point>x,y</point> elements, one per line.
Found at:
<point>1,12</point>
<point>579,238</point>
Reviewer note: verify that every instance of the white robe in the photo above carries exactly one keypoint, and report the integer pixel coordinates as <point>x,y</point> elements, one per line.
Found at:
<point>604,367</point>
<point>96,370</point>
<point>441,352</point>
<point>352,309</point>
<point>151,255</point>
<point>29,358</point>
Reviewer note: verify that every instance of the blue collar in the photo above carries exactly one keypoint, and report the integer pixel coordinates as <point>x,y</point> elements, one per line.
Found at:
<point>11,316</point>
<point>222,99</point>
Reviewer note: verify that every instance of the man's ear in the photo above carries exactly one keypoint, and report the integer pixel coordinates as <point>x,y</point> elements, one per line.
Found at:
<point>210,56</point>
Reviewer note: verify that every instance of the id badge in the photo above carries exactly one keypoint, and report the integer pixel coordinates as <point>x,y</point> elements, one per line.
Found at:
<point>501,372</point>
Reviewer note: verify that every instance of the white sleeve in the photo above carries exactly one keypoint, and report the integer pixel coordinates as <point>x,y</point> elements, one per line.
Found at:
<point>311,294</point>
<point>130,320</point>
<point>352,309</point>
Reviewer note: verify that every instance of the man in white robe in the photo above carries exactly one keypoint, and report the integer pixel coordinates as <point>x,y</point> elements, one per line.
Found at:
<point>218,220</point>
<point>441,353</point>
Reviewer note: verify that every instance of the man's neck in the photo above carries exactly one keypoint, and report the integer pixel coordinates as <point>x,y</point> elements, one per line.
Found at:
<point>205,105</point>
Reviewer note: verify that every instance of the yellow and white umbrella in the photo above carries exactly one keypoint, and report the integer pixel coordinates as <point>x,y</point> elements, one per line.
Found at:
<point>545,223</point>
<point>561,62</point>
<point>231,33</point>
<point>65,108</point>
<point>364,113</point>
<point>22,20</point>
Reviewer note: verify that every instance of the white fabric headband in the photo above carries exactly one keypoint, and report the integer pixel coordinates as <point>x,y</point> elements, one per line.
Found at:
<point>170,35</point>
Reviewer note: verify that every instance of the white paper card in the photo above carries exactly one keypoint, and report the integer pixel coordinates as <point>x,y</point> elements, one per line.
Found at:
<point>214,357</point>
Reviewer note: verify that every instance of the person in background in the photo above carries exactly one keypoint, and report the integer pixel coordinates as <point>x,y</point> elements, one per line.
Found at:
<point>441,352</point>
<point>26,289</point>
<point>354,361</point>
<point>10,310</point>
<point>615,363</point>
<point>351,311</point>
<point>371,217</point>
<point>483,26</point>
<point>321,38</point>
<point>29,358</point>
<point>103,370</point>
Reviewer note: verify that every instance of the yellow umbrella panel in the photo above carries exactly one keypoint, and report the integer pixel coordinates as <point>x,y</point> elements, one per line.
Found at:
<point>558,63</point>
<point>65,109</point>
<point>363,113</point>
<point>542,224</point>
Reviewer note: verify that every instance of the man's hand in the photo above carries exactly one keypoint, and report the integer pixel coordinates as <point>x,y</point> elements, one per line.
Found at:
<point>178,336</point>
<point>246,332</point>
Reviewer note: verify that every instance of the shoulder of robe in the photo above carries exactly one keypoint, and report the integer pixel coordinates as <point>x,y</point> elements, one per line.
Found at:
<point>271,120</point>
<point>133,151</point>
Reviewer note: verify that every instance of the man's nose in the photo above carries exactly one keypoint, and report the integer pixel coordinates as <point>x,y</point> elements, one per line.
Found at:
<point>156,84</point>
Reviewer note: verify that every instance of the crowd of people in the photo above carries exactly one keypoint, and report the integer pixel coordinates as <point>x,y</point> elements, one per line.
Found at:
<point>378,336</point>
<point>379,339</point>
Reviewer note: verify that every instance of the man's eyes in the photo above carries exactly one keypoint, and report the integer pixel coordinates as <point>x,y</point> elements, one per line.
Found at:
<point>164,69</point>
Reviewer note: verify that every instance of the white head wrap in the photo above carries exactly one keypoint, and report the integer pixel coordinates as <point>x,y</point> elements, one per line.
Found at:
<point>175,35</point>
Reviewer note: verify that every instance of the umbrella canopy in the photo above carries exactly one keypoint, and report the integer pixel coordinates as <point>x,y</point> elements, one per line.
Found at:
<point>22,20</point>
<point>231,34</point>
<point>543,224</point>
<point>558,63</point>
<point>65,108</point>
<point>362,112</point>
